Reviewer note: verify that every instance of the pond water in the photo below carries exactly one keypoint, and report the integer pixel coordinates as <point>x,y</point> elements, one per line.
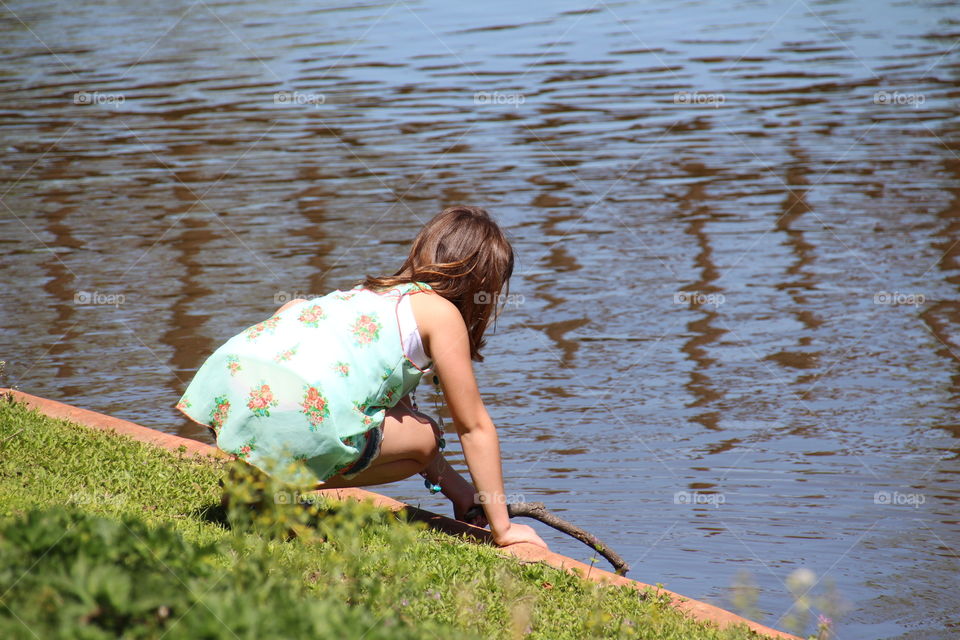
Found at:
<point>734,335</point>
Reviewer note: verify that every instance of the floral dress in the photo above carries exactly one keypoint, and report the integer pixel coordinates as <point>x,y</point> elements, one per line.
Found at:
<point>296,394</point>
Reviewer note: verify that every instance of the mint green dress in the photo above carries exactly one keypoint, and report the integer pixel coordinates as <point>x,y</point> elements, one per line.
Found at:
<point>297,394</point>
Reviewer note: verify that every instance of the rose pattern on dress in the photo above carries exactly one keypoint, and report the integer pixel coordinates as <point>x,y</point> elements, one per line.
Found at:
<point>233,365</point>
<point>344,296</point>
<point>361,408</point>
<point>267,325</point>
<point>285,355</point>
<point>315,407</point>
<point>342,368</point>
<point>366,328</point>
<point>219,413</point>
<point>244,452</point>
<point>261,399</point>
<point>390,394</point>
<point>183,404</point>
<point>312,315</point>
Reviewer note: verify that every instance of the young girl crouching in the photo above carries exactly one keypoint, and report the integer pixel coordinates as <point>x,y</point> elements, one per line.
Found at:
<point>323,389</point>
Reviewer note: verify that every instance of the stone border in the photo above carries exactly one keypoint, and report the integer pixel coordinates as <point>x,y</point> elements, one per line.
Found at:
<point>524,552</point>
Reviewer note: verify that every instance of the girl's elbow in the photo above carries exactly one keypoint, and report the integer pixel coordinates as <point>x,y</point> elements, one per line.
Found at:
<point>478,425</point>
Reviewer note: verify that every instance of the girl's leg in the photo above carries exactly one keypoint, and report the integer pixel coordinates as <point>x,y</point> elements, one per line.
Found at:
<point>408,446</point>
<point>454,486</point>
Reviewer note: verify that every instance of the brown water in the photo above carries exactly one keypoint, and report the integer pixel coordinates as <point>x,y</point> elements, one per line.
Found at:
<point>707,200</point>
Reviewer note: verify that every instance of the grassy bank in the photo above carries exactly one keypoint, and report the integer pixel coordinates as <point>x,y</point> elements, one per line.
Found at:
<point>103,536</point>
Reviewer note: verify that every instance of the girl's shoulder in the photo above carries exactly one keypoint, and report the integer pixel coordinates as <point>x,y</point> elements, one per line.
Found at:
<point>430,308</point>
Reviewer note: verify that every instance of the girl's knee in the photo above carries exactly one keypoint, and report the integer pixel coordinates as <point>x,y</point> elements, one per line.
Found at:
<point>428,445</point>
<point>431,454</point>
<point>410,436</point>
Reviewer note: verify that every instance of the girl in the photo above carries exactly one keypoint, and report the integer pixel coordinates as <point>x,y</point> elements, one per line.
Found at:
<point>322,392</point>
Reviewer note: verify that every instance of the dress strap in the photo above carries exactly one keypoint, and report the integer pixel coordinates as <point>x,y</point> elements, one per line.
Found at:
<point>418,285</point>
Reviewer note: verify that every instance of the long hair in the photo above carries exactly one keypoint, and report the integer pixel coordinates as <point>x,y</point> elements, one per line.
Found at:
<point>466,258</point>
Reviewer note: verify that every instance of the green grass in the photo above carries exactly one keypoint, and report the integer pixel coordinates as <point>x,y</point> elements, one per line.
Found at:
<point>102,536</point>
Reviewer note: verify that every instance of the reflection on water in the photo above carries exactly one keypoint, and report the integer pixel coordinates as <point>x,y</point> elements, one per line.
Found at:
<point>734,339</point>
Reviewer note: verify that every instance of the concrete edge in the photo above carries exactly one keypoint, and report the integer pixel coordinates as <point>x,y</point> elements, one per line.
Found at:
<point>524,552</point>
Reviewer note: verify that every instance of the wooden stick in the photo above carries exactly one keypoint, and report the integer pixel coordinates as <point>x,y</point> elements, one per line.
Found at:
<point>539,511</point>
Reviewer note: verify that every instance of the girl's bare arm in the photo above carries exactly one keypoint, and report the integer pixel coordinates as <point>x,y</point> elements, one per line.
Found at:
<point>445,338</point>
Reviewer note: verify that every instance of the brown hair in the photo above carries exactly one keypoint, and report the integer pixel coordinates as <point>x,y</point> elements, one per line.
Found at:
<point>466,258</point>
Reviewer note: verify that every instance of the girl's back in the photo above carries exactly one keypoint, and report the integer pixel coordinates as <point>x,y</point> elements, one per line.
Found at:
<point>304,384</point>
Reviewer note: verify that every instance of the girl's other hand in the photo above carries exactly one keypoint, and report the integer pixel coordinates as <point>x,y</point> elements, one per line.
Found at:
<point>519,533</point>
<point>472,514</point>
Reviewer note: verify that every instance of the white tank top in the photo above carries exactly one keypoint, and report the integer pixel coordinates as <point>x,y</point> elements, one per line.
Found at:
<point>410,334</point>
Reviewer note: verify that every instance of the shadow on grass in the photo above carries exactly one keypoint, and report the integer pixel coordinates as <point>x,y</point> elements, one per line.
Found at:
<point>250,496</point>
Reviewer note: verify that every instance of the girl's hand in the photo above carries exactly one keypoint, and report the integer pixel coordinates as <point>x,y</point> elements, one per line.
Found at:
<point>465,507</point>
<point>471,514</point>
<point>519,533</point>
